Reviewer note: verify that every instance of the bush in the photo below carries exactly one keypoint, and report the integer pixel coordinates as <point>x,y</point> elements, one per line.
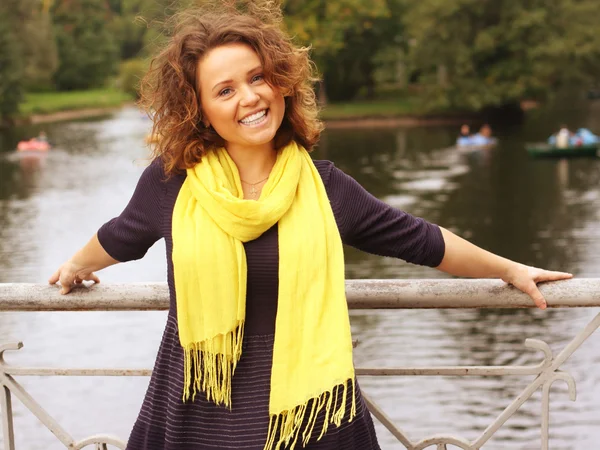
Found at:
<point>130,74</point>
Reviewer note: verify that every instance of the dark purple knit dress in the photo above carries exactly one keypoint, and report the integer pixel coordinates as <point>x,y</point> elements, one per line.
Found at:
<point>165,422</point>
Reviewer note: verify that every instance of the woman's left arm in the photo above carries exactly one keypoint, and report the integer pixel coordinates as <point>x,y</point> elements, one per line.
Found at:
<point>463,259</point>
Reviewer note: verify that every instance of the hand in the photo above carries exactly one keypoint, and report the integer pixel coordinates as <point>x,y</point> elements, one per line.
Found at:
<point>525,278</point>
<point>71,273</point>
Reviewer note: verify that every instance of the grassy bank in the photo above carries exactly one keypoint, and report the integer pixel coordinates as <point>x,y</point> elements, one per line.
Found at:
<point>53,102</point>
<point>408,106</point>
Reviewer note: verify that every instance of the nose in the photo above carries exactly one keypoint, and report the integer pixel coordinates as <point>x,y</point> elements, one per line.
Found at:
<point>249,96</point>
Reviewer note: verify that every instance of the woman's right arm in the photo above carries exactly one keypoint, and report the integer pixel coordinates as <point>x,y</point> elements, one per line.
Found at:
<point>123,238</point>
<point>82,265</point>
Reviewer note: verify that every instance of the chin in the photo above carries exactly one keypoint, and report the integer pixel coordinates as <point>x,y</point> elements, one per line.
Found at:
<point>261,140</point>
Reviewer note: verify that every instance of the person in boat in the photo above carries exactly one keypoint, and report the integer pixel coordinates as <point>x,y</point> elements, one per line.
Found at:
<point>464,137</point>
<point>483,137</point>
<point>562,139</point>
<point>42,137</point>
<point>257,350</point>
<point>587,137</point>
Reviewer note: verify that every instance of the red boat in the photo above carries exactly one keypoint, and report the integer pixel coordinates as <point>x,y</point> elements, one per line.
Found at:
<point>33,145</point>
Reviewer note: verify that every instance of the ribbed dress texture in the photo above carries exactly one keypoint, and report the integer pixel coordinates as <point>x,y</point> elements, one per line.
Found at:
<point>165,422</point>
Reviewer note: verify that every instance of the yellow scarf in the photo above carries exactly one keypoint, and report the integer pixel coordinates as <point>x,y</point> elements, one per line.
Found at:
<point>312,356</point>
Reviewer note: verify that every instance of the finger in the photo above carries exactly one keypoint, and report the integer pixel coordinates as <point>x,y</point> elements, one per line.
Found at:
<point>93,277</point>
<point>537,297</point>
<point>54,278</point>
<point>66,282</point>
<point>65,289</point>
<point>548,275</point>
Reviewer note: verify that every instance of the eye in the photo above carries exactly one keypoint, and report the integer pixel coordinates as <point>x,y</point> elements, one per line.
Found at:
<point>225,92</point>
<point>258,77</point>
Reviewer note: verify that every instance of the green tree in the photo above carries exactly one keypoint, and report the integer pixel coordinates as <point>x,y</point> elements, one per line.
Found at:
<point>473,54</point>
<point>11,69</point>
<point>40,54</point>
<point>130,74</point>
<point>344,35</point>
<point>88,52</point>
<point>33,29</point>
<point>153,14</point>
<point>132,24</point>
<point>351,70</point>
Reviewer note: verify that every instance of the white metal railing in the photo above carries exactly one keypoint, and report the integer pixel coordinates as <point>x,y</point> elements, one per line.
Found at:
<point>361,294</point>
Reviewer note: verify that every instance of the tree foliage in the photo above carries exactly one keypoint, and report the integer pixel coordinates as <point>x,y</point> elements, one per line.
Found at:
<point>130,74</point>
<point>472,53</point>
<point>11,83</point>
<point>345,36</point>
<point>40,54</point>
<point>138,24</point>
<point>27,52</point>
<point>462,54</point>
<point>87,50</point>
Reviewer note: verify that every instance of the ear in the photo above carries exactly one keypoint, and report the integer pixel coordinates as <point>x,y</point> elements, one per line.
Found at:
<point>204,120</point>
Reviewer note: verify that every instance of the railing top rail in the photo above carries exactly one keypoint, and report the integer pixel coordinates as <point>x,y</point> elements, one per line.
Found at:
<point>361,294</point>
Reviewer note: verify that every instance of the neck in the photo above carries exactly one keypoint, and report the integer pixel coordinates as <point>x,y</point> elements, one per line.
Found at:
<point>253,163</point>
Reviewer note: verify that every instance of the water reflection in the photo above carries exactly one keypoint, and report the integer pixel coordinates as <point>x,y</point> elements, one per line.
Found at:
<point>539,212</point>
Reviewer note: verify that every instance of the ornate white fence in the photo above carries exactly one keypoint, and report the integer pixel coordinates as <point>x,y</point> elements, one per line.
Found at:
<point>362,294</point>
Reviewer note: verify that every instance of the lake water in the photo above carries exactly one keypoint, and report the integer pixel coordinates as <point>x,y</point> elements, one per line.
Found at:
<point>540,212</point>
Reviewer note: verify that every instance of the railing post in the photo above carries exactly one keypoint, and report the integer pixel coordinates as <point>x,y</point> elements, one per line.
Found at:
<point>7,420</point>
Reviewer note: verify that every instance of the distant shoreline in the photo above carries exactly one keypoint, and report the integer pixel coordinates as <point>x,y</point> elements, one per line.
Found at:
<point>74,114</point>
<point>399,121</point>
<point>358,122</point>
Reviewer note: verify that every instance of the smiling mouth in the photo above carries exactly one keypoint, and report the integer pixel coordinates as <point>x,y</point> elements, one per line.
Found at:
<point>255,119</point>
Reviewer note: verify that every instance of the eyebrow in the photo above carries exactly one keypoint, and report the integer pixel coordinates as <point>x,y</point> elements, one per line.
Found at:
<point>231,81</point>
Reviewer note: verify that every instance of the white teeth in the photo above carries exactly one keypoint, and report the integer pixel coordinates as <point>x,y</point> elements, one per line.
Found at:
<point>254,117</point>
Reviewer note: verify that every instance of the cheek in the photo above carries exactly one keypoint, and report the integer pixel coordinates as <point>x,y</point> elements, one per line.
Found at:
<point>278,101</point>
<point>219,114</point>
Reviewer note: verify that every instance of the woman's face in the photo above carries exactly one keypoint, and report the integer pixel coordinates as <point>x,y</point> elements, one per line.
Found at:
<point>236,100</point>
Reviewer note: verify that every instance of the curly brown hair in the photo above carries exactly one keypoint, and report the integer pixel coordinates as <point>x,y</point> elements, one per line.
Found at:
<point>170,94</point>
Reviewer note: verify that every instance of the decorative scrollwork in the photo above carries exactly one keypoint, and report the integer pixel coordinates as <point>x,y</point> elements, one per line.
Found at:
<point>12,346</point>
<point>556,376</point>
<point>441,441</point>
<point>101,442</point>
<point>546,374</point>
<point>11,386</point>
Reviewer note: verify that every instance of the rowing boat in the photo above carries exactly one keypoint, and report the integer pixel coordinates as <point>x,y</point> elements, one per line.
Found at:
<point>551,151</point>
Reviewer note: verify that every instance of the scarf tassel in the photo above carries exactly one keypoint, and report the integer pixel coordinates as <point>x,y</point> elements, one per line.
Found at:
<point>212,364</point>
<point>288,424</point>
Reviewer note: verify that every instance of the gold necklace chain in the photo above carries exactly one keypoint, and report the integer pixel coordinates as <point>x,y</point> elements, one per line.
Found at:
<point>253,191</point>
<point>254,184</point>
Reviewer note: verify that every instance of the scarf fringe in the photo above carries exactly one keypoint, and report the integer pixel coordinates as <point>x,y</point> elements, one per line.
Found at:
<point>287,424</point>
<point>212,364</point>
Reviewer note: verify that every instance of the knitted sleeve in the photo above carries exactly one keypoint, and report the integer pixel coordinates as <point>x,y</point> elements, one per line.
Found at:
<point>138,227</point>
<point>371,225</point>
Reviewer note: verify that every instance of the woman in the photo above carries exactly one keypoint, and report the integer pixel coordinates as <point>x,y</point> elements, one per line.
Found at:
<point>256,352</point>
